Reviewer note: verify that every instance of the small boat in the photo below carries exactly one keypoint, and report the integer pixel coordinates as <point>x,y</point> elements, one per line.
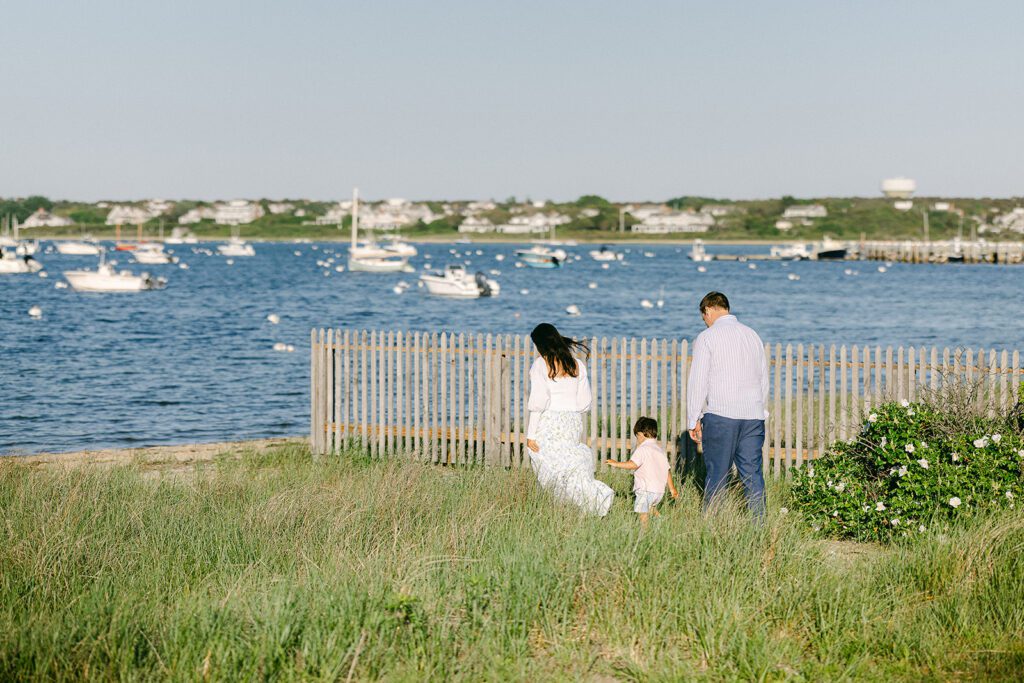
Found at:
<point>698,253</point>
<point>456,282</point>
<point>236,246</point>
<point>181,236</point>
<point>106,279</point>
<point>152,255</point>
<point>12,263</point>
<point>401,248</point>
<point>540,256</point>
<point>829,250</point>
<point>370,258</point>
<point>791,252</point>
<point>73,248</point>
<point>605,254</point>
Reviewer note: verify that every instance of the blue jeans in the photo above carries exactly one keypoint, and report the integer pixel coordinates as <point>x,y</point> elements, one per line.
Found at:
<point>729,442</point>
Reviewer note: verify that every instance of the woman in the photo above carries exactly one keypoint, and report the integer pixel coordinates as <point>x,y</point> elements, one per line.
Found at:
<point>559,395</point>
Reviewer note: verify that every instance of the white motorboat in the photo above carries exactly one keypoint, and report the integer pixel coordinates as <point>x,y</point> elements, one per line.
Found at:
<point>791,252</point>
<point>236,247</point>
<point>106,279</point>
<point>456,282</point>
<point>698,253</point>
<point>153,255</point>
<point>12,263</point>
<point>370,258</point>
<point>539,256</point>
<point>73,248</point>
<point>401,247</point>
<point>829,250</point>
<point>605,254</point>
<point>181,236</point>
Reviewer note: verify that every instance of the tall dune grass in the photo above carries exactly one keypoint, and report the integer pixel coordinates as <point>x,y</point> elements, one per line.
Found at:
<point>279,567</point>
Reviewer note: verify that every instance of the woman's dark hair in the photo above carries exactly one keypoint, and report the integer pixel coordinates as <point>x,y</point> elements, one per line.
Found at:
<point>557,350</point>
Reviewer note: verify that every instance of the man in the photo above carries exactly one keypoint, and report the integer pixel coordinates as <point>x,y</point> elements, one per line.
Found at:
<point>726,396</point>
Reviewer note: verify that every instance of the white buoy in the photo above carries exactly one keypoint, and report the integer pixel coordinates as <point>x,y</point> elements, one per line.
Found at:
<point>881,269</point>
<point>752,266</point>
<point>230,261</point>
<point>524,292</point>
<point>495,272</point>
<point>702,269</point>
<point>397,290</point>
<point>592,285</point>
<point>339,269</point>
<point>848,271</point>
<point>572,309</point>
<point>646,303</point>
<point>519,264</point>
<point>183,266</point>
<point>499,257</point>
<point>290,348</point>
<point>60,285</point>
<point>43,274</point>
<point>273,318</point>
<point>327,273</point>
<point>605,266</point>
<point>35,312</point>
<point>297,253</point>
<point>479,252</point>
<point>793,276</point>
<point>280,346</point>
<point>660,303</point>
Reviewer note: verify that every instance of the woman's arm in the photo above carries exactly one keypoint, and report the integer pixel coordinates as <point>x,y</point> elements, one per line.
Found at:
<point>539,396</point>
<point>584,394</point>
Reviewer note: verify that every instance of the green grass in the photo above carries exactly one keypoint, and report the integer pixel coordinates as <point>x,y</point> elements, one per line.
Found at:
<point>279,567</point>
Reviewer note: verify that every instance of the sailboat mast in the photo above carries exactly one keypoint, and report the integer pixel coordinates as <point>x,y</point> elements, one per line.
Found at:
<point>355,215</point>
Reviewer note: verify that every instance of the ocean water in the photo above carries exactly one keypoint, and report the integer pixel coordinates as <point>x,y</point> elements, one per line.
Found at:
<point>194,362</point>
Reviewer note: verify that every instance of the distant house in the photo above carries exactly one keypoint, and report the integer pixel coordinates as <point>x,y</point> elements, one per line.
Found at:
<point>674,222</point>
<point>193,216</point>
<point>156,207</point>
<point>805,211</point>
<point>278,208</point>
<point>481,206</point>
<point>237,212</point>
<point>942,206</point>
<point>128,215</point>
<point>476,224</point>
<point>334,215</point>
<point>720,210</point>
<point>1012,221</point>
<point>644,211</point>
<point>590,213</point>
<point>44,219</point>
<point>783,224</point>
<point>534,223</point>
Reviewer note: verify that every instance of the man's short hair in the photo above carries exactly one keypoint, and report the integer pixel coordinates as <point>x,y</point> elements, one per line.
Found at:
<point>714,300</point>
<point>647,426</point>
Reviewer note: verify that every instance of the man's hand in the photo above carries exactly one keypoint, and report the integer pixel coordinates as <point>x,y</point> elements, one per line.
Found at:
<point>532,445</point>
<point>695,433</point>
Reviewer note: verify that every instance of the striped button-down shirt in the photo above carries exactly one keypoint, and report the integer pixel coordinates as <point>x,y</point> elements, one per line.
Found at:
<point>729,374</point>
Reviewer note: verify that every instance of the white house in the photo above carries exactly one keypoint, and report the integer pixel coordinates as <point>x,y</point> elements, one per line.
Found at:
<point>481,206</point>
<point>674,221</point>
<point>44,219</point>
<point>237,212</point>
<point>128,215</point>
<point>783,224</point>
<point>644,211</point>
<point>334,215</point>
<point>719,210</point>
<point>476,224</point>
<point>538,222</point>
<point>942,206</point>
<point>193,216</point>
<point>1012,221</point>
<point>157,207</point>
<point>805,211</point>
<point>278,208</point>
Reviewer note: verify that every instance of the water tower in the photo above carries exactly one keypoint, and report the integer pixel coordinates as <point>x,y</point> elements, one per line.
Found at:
<point>899,189</point>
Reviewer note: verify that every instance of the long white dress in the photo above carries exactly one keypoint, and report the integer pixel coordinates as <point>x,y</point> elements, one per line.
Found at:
<point>564,465</point>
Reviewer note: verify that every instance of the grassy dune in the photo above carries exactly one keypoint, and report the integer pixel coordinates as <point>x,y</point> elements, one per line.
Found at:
<point>278,567</point>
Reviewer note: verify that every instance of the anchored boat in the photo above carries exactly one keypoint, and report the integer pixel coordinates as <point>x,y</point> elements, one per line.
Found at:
<point>455,281</point>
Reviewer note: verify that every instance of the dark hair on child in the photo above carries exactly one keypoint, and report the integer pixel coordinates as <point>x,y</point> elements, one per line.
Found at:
<point>647,426</point>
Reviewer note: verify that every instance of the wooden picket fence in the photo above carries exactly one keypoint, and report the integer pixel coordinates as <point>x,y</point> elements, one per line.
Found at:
<point>462,398</point>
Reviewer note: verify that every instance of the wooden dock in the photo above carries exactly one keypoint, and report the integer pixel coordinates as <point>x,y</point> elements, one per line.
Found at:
<point>909,251</point>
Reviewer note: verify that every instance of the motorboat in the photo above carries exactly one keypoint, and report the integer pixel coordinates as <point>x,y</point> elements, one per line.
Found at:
<point>605,254</point>
<point>369,257</point>
<point>153,255</point>
<point>106,279</point>
<point>455,281</point>
<point>698,253</point>
<point>12,263</point>
<point>791,252</point>
<point>181,236</point>
<point>401,248</point>
<point>829,250</point>
<point>539,256</point>
<point>236,246</point>
<point>73,248</point>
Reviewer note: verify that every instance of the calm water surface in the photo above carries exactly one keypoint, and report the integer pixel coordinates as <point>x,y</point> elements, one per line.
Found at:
<point>194,362</point>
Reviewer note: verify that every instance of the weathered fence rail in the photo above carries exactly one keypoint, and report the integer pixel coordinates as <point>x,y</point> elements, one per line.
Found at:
<point>461,398</point>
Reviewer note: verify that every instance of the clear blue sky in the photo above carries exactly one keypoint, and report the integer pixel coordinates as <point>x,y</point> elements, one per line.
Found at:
<point>477,99</point>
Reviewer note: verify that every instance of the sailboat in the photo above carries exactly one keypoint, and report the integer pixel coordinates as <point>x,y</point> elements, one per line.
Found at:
<point>369,257</point>
<point>236,246</point>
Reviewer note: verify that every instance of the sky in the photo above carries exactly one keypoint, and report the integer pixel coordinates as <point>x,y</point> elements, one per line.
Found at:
<point>464,99</point>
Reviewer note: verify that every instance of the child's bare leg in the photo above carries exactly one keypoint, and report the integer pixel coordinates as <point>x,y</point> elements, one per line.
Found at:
<point>654,511</point>
<point>643,519</point>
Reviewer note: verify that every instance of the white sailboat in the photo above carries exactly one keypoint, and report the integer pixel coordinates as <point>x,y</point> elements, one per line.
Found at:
<point>152,255</point>
<point>106,279</point>
<point>370,258</point>
<point>455,281</point>
<point>181,235</point>
<point>605,254</point>
<point>236,246</point>
<point>698,253</point>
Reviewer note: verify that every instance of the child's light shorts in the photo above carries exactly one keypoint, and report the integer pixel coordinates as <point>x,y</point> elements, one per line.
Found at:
<point>647,501</point>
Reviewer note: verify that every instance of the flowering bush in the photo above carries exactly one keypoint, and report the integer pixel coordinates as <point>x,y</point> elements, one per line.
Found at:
<point>907,473</point>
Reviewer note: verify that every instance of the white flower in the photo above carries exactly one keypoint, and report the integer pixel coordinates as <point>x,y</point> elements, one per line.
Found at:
<point>840,487</point>
<point>866,508</point>
<point>981,443</point>
<point>1020,453</point>
<point>996,438</point>
<point>783,511</point>
<point>873,417</point>
<point>910,411</point>
<point>895,521</point>
<point>829,483</point>
<point>835,513</point>
<point>902,471</point>
<point>1009,495</point>
<point>909,448</point>
<point>885,442</point>
<point>956,457</point>
<point>921,528</point>
<point>880,506</point>
<point>954,502</point>
<point>904,403</point>
<point>810,473</point>
<point>924,444</point>
<point>923,463</point>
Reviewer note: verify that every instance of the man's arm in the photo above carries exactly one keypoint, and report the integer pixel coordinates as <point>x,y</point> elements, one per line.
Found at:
<point>764,379</point>
<point>697,386</point>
